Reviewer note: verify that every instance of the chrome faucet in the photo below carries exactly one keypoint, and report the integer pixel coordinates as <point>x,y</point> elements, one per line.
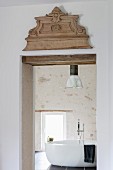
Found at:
<point>79,130</point>
<point>78,127</point>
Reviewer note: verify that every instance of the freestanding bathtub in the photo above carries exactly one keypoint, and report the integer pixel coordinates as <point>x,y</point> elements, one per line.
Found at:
<point>68,153</point>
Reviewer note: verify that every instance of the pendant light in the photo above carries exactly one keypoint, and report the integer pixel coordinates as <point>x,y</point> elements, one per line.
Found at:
<point>74,80</point>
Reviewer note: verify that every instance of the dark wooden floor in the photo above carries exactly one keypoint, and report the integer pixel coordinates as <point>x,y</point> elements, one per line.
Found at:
<point>41,163</point>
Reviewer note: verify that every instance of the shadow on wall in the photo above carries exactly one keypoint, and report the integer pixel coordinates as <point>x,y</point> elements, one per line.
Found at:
<point>0,159</point>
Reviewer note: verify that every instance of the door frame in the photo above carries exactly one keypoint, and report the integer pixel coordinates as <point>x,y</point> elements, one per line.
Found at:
<point>27,125</point>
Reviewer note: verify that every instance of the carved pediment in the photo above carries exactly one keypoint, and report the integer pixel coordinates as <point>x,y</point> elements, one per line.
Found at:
<point>57,30</point>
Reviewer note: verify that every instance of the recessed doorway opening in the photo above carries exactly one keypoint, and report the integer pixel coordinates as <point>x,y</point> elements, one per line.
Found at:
<point>28,129</point>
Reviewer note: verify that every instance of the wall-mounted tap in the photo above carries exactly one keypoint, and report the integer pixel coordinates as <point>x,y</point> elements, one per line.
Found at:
<point>80,130</point>
<point>78,127</point>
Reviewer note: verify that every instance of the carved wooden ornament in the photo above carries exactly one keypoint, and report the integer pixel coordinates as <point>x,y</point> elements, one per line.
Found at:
<point>57,30</point>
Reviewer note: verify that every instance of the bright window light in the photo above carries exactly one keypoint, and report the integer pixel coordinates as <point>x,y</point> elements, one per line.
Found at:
<point>53,125</point>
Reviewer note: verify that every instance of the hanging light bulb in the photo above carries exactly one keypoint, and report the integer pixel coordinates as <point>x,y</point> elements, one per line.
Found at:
<point>74,80</point>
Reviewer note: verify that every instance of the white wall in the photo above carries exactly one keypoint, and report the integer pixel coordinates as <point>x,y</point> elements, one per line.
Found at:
<point>111,78</point>
<point>15,23</point>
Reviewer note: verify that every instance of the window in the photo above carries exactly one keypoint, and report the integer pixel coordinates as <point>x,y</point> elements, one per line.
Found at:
<point>53,124</point>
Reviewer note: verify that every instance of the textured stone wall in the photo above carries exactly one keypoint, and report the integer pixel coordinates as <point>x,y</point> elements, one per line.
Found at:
<point>51,94</point>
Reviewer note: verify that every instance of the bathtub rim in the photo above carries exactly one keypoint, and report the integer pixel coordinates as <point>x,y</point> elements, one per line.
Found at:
<point>68,142</point>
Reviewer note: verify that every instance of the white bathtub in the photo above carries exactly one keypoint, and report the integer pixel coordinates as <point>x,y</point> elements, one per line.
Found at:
<point>68,153</point>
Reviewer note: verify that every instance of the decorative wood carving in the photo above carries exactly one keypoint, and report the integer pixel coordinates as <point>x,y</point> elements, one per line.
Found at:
<point>57,30</point>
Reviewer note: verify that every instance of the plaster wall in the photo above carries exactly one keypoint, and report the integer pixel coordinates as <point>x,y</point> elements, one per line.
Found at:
<point>111,78</point>
<point>51,94</point>
<point>15,23</point>
<point>27,118</point>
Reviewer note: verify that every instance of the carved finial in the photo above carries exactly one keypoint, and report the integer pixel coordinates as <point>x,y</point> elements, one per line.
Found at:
<point>56,14</point>
<point>56,10</point>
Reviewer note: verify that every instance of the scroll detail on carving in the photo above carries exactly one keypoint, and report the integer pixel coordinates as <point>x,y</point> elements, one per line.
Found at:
<point>57,30</point>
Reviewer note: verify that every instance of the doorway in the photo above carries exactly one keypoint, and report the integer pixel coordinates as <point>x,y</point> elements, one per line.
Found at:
<point>27,98</point>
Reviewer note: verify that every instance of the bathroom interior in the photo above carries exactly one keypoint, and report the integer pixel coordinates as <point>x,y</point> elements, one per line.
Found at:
<point>63,113</point>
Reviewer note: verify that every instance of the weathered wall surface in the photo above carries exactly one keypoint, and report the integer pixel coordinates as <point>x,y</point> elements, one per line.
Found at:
<point>52,94</point>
